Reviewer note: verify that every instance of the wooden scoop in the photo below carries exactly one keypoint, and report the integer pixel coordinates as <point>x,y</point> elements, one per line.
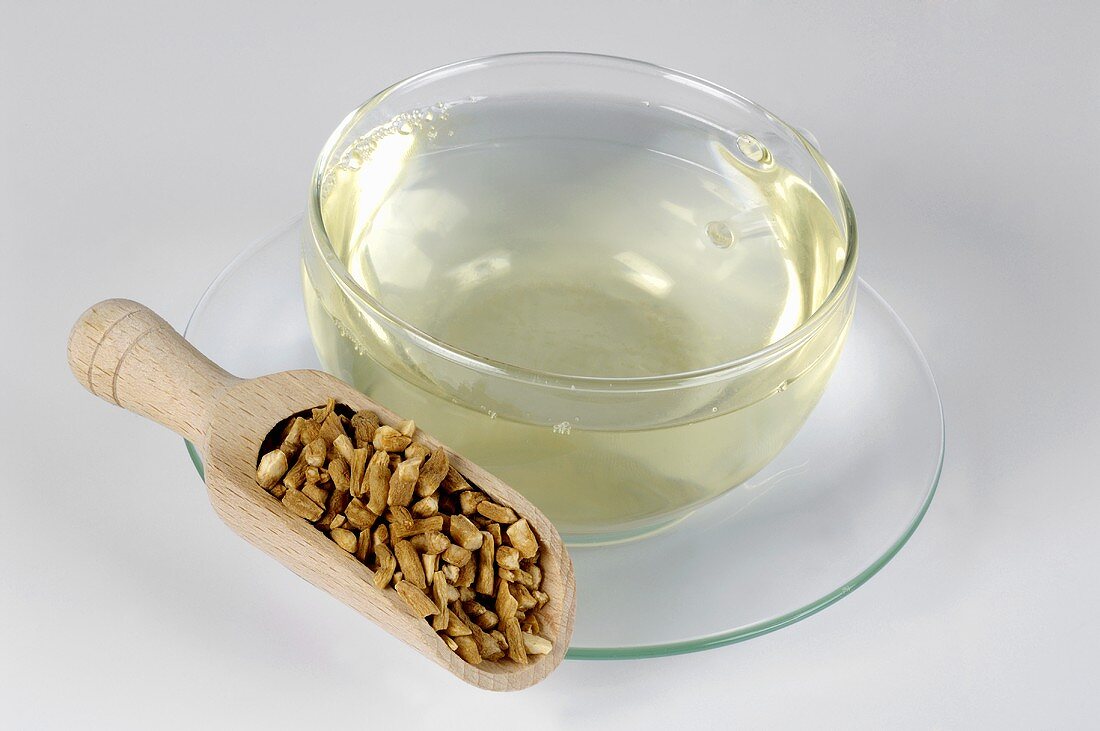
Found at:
<point>124,353</point>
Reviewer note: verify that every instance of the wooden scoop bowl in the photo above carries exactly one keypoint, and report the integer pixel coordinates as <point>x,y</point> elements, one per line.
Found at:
<point>124,353</point>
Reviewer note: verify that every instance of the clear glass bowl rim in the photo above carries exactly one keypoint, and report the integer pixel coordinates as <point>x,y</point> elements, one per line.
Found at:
<point>318,238</point>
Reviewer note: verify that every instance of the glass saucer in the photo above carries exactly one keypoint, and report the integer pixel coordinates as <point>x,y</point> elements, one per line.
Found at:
<point>830,511</point>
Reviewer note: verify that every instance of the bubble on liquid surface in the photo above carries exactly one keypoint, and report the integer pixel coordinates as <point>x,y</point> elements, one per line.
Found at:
<point>753,149</point>
<point>719,234</point>
<point>405,128</point>
<point>563,428</point>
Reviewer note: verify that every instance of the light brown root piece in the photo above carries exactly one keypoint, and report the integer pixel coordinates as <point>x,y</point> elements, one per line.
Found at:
<point>486,574</point>
<point>388,439</point>
<point>465,533</point>
<point>387,564</point>
<point>521,536</point>
<point>302,506</point>
<point>273,466</point>
<point>417,600</point>
<point>516,649</point>
<point>377,482</point>
<point>467,650</point>
<point>409,561</point>
<point>345,539</point>
<point>432,472</point>
<point>497,513</point>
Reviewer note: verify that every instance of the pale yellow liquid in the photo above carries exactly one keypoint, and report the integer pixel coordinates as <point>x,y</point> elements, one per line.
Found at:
<point>580,257</point>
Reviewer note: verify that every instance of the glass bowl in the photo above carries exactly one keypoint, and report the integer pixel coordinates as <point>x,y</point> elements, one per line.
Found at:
<point>699,312</point>
<point>833,507</point>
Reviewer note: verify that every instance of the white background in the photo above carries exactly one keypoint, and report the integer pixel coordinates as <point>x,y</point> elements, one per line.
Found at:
<point>142,146</point>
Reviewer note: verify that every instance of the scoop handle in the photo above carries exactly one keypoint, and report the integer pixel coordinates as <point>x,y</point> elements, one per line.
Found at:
<point>128,355</point>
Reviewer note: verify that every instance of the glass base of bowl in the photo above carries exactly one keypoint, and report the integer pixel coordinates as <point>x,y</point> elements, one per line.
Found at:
<point>830,511</point>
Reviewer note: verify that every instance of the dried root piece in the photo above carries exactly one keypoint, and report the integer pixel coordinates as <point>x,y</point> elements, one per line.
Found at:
<point>457,555</point>
<point>314,453</point>
<point>309,431</point>
<point>398,514</point>
<point>296,475</point>
<point>524,599</point>
<point>517,651</point>
<point>273,466</point>
<point>408,428</point>
<point>345,539</point>
<point>358,469</point>
<point>409,561</point>
<point>506,605</point>
<point>403,483</point>
<point>490,648</point>
<point>362,546</point>
<point>469,500</point>
<point>440,593</point>
<point>430,562</point>
<point>530,624</point>
<point>426,507</point>
<point>416,599</point>
<point>340,474</point>
<point>321,413</point>
<point>377,482</point>
<point>331,428</point>
<point>359,515</point>
<point>433,472</point>
<point>519,577</point>
<point>405,527</point>
<point>486,575</point>
<point>507,557</point>
<point>485,618</point>
<point>454,482</point>
<point>292,438</point>
<point>466,575</point>
<point>337,504</point>
<point>494,530</point>
<point>301,505</point>
<point>457,628</point>
<point>364,424</point>
<point>387,564</point>
<point>388,439</point>
<point>432,543</point>
<point>345,448</point>
<point>467,650</point>
<point>465,533</point>
<point>521,536</point>
<point>497,513</point>
<point>535,645</point>
<point>417,452</point>
<point>315,492</point>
